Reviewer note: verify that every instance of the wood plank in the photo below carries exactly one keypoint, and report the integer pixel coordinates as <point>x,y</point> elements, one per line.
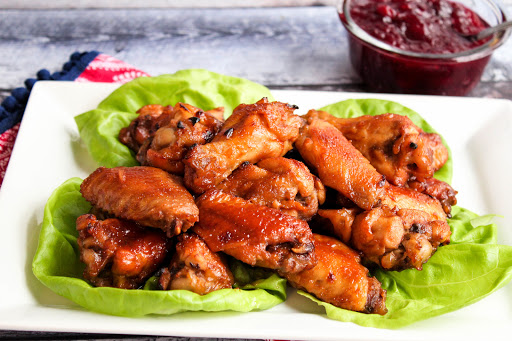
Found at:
<point>45,4</point>
<point>270,46</point>
<point>303,46</point>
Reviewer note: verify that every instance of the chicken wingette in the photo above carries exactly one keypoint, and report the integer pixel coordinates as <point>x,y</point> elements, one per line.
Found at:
<point>252,133</point>
<point>146,195</point>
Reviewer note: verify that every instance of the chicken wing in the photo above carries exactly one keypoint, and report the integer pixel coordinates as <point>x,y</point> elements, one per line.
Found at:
<point>119,253</point>
<point>400,150</point>
<point>402,233</point>
<point>256,235</point>
<point>142,127</point>
<point>340,279</point>
<point>252,133</point>
<point>339,165</point>
<point>196,268</point>
<point>146,195</point>
<point>393,144</point>
<point>176,131</point>
<point>281,183</point>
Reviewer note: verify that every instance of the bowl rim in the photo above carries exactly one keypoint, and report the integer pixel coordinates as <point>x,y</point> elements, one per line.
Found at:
<point>478,52</point>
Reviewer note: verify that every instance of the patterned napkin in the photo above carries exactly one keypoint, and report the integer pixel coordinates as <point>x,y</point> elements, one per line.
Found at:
<point>82,67</point>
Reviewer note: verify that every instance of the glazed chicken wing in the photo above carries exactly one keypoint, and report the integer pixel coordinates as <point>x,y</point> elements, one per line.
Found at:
<point>142,127</point>
<point>119,253</point>
<point>176,130</point>
<point>256,235</point>
<point>398,240</point>
<point>196,268</point>
<point>340,279</point>
<point>339,165</point>
<point>398,149</point>
<point>146,195</point>
<point>382,231</point>
<point>252,133</point>
<point>402,233</point>
<point>281,183</point>
<point>393,144</point>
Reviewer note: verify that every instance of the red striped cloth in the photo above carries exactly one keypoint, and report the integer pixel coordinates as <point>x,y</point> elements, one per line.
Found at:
<point>103,68</point>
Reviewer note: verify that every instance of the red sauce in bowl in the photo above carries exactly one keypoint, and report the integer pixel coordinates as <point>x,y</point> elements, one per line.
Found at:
<point>434,26</point>
<point>419,47</point>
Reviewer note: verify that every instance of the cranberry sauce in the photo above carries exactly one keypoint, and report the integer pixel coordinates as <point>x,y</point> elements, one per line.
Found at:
<point>425,26</point>
<point>430,27</point>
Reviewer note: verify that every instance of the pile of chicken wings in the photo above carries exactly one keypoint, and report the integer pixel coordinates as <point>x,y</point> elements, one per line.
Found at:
<point>315,198</point>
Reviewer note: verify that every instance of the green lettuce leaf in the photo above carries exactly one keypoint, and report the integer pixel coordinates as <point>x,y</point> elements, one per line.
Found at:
<point>207,90</point>
<point>369,106</point>
<point>57,265</point>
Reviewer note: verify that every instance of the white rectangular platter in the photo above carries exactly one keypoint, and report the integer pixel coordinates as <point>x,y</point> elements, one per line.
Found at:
<point>48,151</point>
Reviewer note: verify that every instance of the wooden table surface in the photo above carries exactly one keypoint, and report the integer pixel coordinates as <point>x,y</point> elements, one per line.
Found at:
<point>280,47</point>
<point>283,48</point>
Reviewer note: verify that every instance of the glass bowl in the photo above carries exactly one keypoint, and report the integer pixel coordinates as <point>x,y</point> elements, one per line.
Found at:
<point>385,68</point>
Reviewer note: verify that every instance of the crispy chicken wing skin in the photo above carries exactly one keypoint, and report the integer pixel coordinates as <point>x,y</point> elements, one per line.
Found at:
<point>399,198</point>
<point>119,253</point>
<point>393,144</point>
<point>254,234</point>
<point>196,268</point>
<point>175,131</point>
<point>146,195</point>
<point>437,189</point>
<point>252,133</point>
<point>142,127</point>
<point>340,279</point>
<point>281,183</point>
<point>339,165</point>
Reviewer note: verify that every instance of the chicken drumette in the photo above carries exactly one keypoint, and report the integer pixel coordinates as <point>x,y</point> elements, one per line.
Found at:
<point>256,235</point>
<point>252,133</point>
<point>119,253</point>
<point>146,195</point>
<point>281,183</point>
<point>196,268</point>
<point>403,232</point>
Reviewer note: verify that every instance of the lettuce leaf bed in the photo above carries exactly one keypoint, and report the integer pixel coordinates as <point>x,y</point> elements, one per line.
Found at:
<point>470,268</point>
